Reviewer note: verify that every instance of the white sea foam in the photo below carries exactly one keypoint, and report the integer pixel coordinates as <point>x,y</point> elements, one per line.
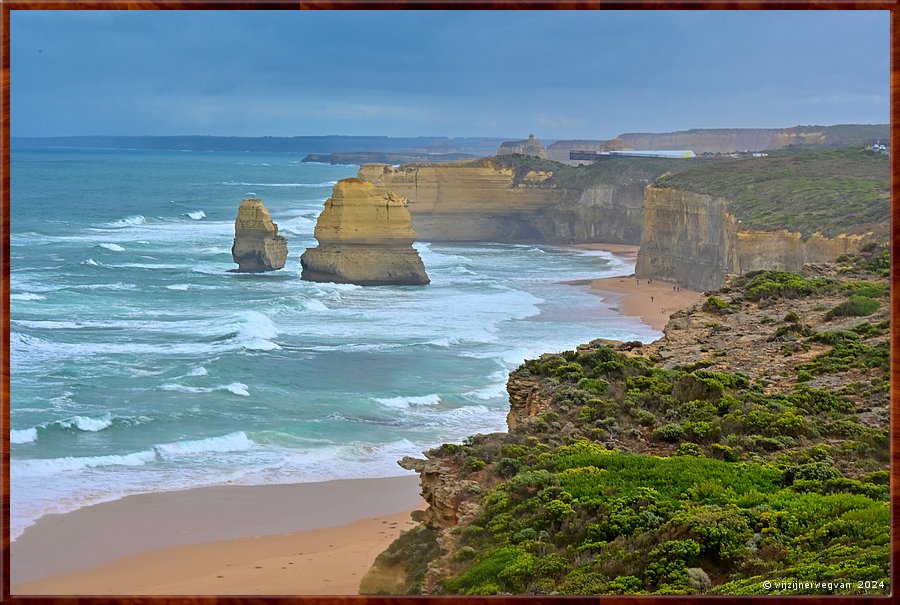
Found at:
<point>91,262</point>
<point>302,185</point>
<point>180,388</point>
<point>88,424</point>
<point>178,287</point>
<point>111,286</point>
<point>216,250</point>
<point>314,305</point>
<point>238,388</point>
<point>20,436</point>
<point>48,467</point>
<point>233,442</point>
<point>199,371</point>
<point>255,331</point>
<point>26,296</point>
<point>406,402</point>
<point>494,391</point>
<point>197,215</point>
<point>146,266</point>
<point>113,247</point>
<point>128,221</point>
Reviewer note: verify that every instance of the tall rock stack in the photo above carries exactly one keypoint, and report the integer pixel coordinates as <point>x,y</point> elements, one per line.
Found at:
<point>257,245</point>
<point>530,146</point>
<point>365,238</point>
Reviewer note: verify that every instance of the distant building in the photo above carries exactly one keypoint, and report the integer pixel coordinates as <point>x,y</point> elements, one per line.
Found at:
<point>659,153</point>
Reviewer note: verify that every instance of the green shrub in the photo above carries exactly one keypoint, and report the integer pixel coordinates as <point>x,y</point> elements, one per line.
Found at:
<point>508,467</point>
<point>643,417</point>
<point>792,317</point>
<point>569,371</point>
<point>689,449</point>
<point>773,284</point>
<point>593,385</point>
<point>474,464</point>
<point>857,306</point>
<point>723,452</point>
<point>714,304</point>
<point>811,471</point>
<point>672,432</point>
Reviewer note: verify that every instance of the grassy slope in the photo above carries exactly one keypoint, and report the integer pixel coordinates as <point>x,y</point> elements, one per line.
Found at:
<point>827,190</point>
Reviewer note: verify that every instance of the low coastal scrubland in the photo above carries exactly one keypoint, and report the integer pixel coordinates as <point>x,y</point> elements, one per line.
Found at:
<point>749,445</point>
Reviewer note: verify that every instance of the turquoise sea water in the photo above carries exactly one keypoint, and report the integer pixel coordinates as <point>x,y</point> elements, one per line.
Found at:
<point>140,364</point>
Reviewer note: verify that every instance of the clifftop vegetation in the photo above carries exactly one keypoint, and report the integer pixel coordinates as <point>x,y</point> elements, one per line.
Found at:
<point>750,444</point>
<point>614,170</point>
<point>807,190</point>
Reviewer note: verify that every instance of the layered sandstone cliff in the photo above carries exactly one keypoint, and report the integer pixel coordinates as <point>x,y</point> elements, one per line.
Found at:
<point>691,238</point>
<point>257,245</point>
<point>365,237</point>
<point>488,200</point>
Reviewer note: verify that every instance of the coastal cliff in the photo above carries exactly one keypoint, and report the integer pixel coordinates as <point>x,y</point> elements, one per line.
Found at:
<point>257,246</point>
<point>365,237</point>
<point>692,239</point>
<point>778,212</point>
<point>727,140</point>
<point>749,444</point>
<point>696,220</point>
<point>521,199</point>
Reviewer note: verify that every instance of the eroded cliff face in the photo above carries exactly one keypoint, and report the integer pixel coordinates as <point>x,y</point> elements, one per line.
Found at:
<point>692,239</point>
<point>257,245</point>
<point>365,237</point>
<point>482,201</point>
<point>725,140</point>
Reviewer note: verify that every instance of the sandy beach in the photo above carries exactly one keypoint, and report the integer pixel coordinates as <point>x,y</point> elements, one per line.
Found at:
<point>653,301</point>
<point>308,538</point>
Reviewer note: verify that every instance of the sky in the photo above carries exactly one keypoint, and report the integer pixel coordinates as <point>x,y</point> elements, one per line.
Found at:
<point>558,74</point>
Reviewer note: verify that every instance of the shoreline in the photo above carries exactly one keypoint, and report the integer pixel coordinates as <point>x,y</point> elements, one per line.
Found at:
<point>300,539</point>
<point>653,302</point>
<point>305,538</point>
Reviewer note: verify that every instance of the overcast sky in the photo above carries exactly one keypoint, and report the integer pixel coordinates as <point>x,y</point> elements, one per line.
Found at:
<point>559,74</point>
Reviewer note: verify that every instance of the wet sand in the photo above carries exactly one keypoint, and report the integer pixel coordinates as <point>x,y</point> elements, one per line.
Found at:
<point>308,538</point>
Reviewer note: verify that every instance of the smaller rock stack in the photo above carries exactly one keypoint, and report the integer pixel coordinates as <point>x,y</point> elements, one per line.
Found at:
<point>257,245</point>
<point>530,146</point>
<point>365,238</point>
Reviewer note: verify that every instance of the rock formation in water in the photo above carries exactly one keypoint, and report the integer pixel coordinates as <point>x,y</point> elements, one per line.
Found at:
<point>530,146</point>
<point>365,237</point>
<point>257,245</point>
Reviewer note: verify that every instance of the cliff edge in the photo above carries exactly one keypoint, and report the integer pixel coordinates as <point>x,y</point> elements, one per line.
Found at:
<point>750,443</point>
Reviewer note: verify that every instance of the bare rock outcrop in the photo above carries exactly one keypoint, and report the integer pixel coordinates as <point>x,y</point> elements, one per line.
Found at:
<point>693,239</point>
<point>257,245</point>
<point>530,146</point>
<point>365,237</point>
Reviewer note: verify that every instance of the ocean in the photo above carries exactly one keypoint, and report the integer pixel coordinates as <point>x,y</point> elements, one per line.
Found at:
<point>140,364</point>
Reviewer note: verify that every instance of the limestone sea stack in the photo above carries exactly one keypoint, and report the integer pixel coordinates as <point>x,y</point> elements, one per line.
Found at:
<point>365,237</point>
<point>257,245</point>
